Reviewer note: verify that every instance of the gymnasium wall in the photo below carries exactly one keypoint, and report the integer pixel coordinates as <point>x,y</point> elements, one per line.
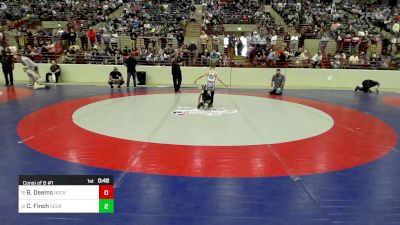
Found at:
<point>237,77</point>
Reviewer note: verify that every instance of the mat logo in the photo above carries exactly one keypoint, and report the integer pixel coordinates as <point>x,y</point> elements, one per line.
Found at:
<point>214,111</point>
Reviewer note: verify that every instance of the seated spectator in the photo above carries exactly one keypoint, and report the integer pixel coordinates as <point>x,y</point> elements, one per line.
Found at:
<point>317,59</point>
<point>272,56</point>
<point>294,41</point>
<point>136,52</point>
<point>192,47</point>
<point>396,28</point>
<point>204,57</point>
<point>336,61</point>
<point>114,40</point>
<point>215,57</point>
<point>68,58</point>
<point>324,41</point>
<point>274,39</point>
<point>385,61</point>
<point>354,59</point>
<point>180,38</point>
<point>363,58</point>
<point>55,72</point>
<point>259,56</point>
<point>304,55</point>
<point>170,39</point>
<point>106,38</point>
<point>115,78</point>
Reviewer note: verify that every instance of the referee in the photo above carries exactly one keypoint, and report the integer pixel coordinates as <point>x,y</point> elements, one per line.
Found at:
<point>8,67</point>
<point>176,72</point>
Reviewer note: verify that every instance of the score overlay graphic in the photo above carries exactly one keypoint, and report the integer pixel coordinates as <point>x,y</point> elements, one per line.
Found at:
<point>66,194</point>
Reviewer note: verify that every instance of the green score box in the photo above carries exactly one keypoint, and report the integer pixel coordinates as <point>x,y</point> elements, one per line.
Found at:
<point>106,205</point>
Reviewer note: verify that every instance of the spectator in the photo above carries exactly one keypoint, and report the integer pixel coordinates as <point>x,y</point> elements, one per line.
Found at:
<point>72,37</point>
<point>170,39</point>
<point>317,59</point>
<point>214,42</point>
<point>215,57</point>
<point>396,28</point>
<point>239,46</point>
<point>204,57</point>
<point>259,56</point>
<point>324,41</point>
<point>362,58</point>
<point>17,34</point>
<point>354,59</point>
<point>355,42</point>
<point>294,41</point>
<point>302,38</point>
<point>280,6</point>
<point>105,37</point>
<point>192,47</point>
<point>127,51</point>
<point>336,61</point>
<point>192,53</point>
<point>185,55</point>
<point>115,77</point>
<point>84,40</point>
<point>298,6</point>
<point>64,38</point>
<point>304,57</point>
<point>274,39</point>
<point>203,40</point>
<point>231,46</point>
<point>114,40</point>
<point>286,39</point>
<point>272,56</point>
<point>91,34</point>
<point>180,39</point>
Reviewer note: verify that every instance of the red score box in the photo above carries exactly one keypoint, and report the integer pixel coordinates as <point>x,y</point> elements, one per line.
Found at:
<point>106,192</point>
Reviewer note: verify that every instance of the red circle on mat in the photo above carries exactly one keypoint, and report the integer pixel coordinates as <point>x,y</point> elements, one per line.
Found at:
<point>393,101</point>
<point>355,139</point>
<point>13,93</point>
